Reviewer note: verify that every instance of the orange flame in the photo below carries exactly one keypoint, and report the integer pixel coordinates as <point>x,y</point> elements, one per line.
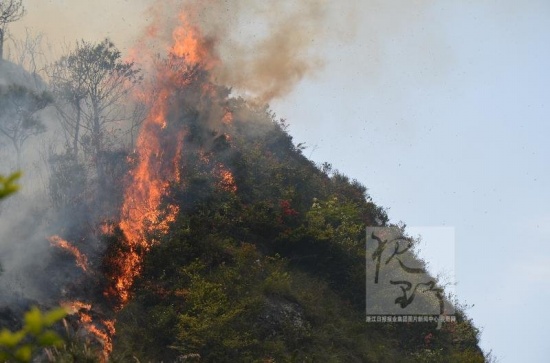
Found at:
<point>227,118</point>
<point>74,307</point>
<point>80,259</point>
<point>145,215</point>
<point>106,337</point>
<point>106,228</point>
<point>142,213</point>
<point>226,179</point>
<point>191,45</point>
<point>103,331</point>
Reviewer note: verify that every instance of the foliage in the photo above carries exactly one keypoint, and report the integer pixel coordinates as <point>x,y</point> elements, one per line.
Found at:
<point>268,266</point>
<point>91,83</point>
<point>19,119</point>
<point>36,333</point>
<point>8,184</point>
<point>67,180</point>
<point>336,221</point>
<point>10,11</point>
<point>271,271</point>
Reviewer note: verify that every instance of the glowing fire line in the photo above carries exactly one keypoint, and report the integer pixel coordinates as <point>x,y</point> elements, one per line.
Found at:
<point>142,213</point>
<point>80,259</point>
<point>84,312</point>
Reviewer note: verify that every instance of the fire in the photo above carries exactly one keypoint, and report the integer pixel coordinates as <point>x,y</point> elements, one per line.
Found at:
<point>143,213</point>
<point>227,119</point>
<point>191,45</point>
<point>226,179</point>
<point>102,330</point>
<point>74,307</point>
<point>105,336</point>
<point>107,228</point>
<point>81,260</point>
<point>141,210</point>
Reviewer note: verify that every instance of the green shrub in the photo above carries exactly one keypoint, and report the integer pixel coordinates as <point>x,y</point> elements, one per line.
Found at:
<point>36,333</point>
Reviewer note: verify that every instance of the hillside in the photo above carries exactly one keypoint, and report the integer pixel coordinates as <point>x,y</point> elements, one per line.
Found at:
<point>265,260</point>
<point>214,239</point>
<point>241,250</point>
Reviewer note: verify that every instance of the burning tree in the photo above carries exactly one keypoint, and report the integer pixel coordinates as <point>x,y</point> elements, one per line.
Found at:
<point>10,11</point>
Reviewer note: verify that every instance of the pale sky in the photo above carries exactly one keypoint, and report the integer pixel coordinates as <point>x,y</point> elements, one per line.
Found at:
<point>452,131</point>
<point>441,109</point>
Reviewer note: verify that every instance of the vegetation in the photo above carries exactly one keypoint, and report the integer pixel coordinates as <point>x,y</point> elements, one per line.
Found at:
<point>10,11</point>
<point>264,262</point>
<point>19,119</point>
<point>90,84</point>
<point>20,346</point>
<point>8,184</point>
<point>272,272</point>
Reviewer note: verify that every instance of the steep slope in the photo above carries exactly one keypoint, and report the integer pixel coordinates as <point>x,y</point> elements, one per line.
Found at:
<point>265,260</point>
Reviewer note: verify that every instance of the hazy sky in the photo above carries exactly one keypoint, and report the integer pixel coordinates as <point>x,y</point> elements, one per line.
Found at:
<point>451,130</point>
<point>441,109</point>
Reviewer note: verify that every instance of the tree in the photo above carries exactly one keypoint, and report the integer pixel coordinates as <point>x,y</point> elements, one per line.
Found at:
<point>8,186</point>
<point>91,84</point>
<point>19,119</point>
<point>31,52</point>
<point>10,11</point>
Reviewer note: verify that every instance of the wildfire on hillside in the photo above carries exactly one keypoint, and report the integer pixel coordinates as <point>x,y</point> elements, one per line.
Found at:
<point>145,212</point>
<point>142,212</point>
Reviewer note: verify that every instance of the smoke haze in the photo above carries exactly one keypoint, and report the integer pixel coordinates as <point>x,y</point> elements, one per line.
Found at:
<point>262,49</point>
<point>265,48</point>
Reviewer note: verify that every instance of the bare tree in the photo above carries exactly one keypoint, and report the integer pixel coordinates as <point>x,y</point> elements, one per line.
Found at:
<point>10,11</point>
<point>32,53</point>
<point>69,86</point>
<point>138,113</point>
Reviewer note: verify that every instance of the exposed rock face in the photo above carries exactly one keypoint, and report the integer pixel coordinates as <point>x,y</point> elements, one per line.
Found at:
<point>281,315</point>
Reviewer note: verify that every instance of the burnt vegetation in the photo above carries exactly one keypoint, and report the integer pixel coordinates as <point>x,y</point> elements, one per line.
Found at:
<point>264,260</point>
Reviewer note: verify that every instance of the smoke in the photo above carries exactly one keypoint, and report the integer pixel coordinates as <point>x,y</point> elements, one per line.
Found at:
<point>264,49</point>
<point>23,249</point>
<point>261,49</point>
<point>25,218</point>
<point>278,47</point>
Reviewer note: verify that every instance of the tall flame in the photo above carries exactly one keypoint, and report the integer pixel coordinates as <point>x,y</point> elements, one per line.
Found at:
<point>142,212</point>
<point>145,214</point>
